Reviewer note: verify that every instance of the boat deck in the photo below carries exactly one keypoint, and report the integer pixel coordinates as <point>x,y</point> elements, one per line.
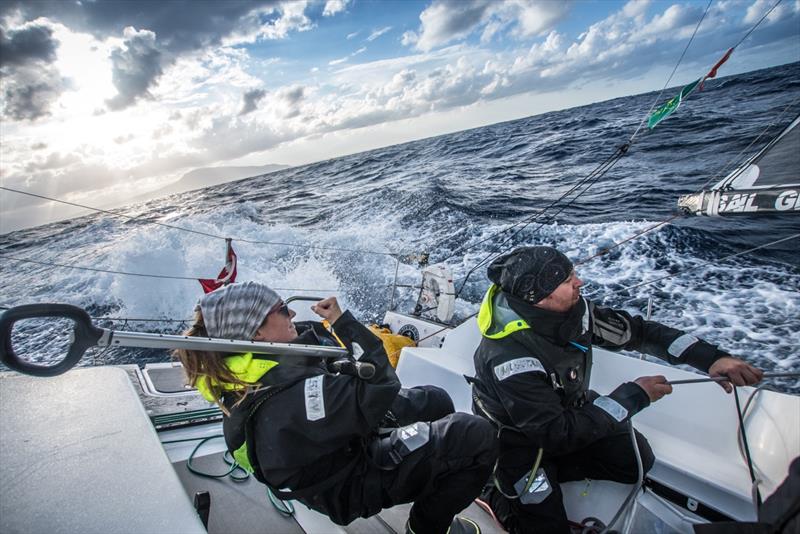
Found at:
<point>245,507</point>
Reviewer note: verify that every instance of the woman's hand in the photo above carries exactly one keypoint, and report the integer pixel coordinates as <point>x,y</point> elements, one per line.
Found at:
<point>328,309</point>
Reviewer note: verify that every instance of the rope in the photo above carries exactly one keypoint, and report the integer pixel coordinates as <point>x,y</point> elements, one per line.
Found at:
<point>283,507</point>
<point>198,232</point>
<point>234,465</point>
<point>702,265</point>
<point>631,498</point>
<point>164,276</point>
<point>743,433</point>
<point>658,97</point>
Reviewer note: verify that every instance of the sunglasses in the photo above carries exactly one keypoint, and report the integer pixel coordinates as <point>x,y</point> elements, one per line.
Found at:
<point>282,309</point>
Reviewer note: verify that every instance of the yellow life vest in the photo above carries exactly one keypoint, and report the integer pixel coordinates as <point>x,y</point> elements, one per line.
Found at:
<point>243,366</point>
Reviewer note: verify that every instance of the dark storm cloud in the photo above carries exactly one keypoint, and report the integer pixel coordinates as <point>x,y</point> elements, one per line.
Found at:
<point>155,32</point>
<point>29,92</point>
<point>136,66</point>
<point>251,100</point>
<point>28,44</point>
<point>30,83</point>
<point>179,25</point>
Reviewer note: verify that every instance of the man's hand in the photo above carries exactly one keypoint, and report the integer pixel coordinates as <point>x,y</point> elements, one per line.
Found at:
<point>740,373</point>
<point>328,309</point>
<point>655,386</point>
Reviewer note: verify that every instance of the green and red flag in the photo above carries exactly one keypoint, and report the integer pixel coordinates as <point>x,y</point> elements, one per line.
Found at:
<point>669,108</point>
<point>713,72</point>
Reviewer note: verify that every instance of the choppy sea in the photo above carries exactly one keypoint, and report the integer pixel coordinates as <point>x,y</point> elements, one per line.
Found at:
<point>455,197</point>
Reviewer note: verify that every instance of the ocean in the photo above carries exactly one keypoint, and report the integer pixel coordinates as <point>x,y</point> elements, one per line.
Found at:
<point>455,197</point>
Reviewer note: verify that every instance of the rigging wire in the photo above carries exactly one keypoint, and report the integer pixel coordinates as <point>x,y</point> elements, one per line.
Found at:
<point>730,179</point>
<point>146,275</point>
<point>532,218</point>
<point>738,157</point>
<point>600,170</point>
<point>757,24</point>
<point>198,232</point>
<point>712,179</point>
<point>658,97</point>
<point>608,164</point>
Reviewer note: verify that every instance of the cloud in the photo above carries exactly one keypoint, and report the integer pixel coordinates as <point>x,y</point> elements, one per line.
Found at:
<point>347,57</point>
<point>760,7</point>
<point>333,7</point>
<point>446,21</point>
<point>54,160</point>
<point>352,35</point>
<point>263,25</point>
<point>31,83</point>
<point>409,38</point>
<point>251,99</point>
<point>292,95</point>
<point>136,67</point>
<point>181,25</point>
<point>30,91</point>
<point>27,44</point>
<point>377,33</point>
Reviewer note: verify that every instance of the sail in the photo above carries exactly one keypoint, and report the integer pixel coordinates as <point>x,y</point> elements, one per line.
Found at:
<point>768,183</point>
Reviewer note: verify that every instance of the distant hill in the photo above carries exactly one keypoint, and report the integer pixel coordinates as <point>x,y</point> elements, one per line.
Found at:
<point>208,176</point>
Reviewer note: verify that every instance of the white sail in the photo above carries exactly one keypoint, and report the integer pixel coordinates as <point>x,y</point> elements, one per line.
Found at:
<point>768,183</point>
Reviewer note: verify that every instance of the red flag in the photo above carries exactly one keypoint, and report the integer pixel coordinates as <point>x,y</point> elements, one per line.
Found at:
<point>225,276</point>
<point>713,72</point>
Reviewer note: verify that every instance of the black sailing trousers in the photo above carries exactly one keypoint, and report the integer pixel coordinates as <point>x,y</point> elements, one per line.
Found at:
<point>610,458</point>
<point>443,476</point>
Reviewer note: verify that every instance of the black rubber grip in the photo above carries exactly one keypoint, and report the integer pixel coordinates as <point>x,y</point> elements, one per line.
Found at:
<point>85,335</point>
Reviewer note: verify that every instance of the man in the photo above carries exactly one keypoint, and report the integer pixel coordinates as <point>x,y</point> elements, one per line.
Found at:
<point>532,375</point>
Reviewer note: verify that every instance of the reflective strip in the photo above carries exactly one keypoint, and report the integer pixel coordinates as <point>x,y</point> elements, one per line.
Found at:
<point>612,408</point>
<point>585,322</point>
<point>315,402</point>
<point>515,367</point>
<point>357,351</point>
<point>679,346</point>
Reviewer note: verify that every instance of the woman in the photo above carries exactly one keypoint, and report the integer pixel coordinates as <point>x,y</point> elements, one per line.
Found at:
<point>312,435</point>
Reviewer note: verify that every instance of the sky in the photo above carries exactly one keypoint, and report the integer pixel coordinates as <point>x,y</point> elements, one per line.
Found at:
<point>101,101</point>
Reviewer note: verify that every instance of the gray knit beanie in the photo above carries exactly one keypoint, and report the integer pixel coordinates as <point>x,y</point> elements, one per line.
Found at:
<point>530,273</point>
<point>236,311</point>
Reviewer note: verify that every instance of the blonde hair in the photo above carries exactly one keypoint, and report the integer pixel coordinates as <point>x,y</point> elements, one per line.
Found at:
<point>209,368</point>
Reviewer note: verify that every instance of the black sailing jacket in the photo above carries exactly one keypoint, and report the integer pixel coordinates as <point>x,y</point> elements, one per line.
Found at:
<point>537,384</point>
<point>315,429</point>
